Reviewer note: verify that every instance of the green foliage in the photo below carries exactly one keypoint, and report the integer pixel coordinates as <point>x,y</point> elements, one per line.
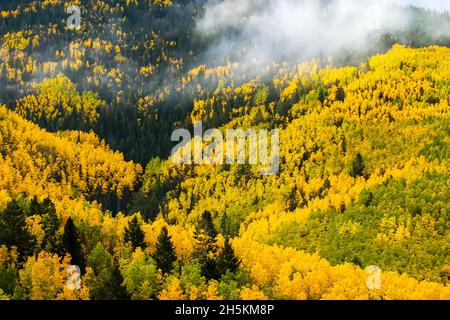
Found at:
<point>134,234</point>
<point>399,226</point>
<point>140,277</point>
<point>104,280</point>
<point>14,228</point>
<point>8,279</point>
<point>51,224</point>
<point>165,255</point>
<point>227,260</point>
<point>358,166</point>
<point>206,246</point>
<point>191,276</point>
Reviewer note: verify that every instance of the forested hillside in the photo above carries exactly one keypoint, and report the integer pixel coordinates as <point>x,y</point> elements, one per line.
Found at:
<point>86,176</point>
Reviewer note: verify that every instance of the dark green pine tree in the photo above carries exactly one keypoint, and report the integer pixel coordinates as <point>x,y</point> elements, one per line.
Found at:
<point>225,225</point>
<point>206,247</point>
<point>358,166</point>
<point>35,206</point>
<point>134,234</point>
<point>51,224</point>
<point>165,255</point>
<point>117,287</point>
<point>71,244</point>
<point>340,94</point>
<point>13,228</point>
<point>209,269</point>
<point>227,260</point>
<point>207,224</point>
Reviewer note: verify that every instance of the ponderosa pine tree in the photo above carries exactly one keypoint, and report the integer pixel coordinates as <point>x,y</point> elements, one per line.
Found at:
<point>134,234</point>
<point>165,255</point>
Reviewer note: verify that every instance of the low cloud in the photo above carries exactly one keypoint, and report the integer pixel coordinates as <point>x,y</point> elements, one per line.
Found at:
<point>268,30</point>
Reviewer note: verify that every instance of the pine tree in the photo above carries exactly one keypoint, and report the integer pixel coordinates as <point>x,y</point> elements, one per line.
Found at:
<point>70,244</point>
<point>117,286</point>
<point>322,94</point>
<point>134,234</point>
<point>13,229</point>
<point>51,224</point>
<point>206,247</point>
<point>344,145</point>
<point>340,94</point>
<point>205,238</point>
<point>209,269</point>
<point>227,260</point>
<point>165,255</point>
<point>358,166</point>
<point>35,206</point>
<point>225,225</point>
<point>207,224</point>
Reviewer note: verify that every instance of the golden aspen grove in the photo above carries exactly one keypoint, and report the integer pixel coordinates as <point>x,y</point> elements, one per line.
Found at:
<point>87,177</point>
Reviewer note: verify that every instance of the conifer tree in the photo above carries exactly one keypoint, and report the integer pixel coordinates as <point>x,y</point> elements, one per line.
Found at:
<point>35,206</point>
<point>358,166</point>
<point>134,234</point>
<point>225,225</point>
<point>13,229</point>
<point>165,255</point>
<point>206,247</point>
<point>227,260</point>
<point>207,224</point>
<point>51,224</point>
<point>71,244</point>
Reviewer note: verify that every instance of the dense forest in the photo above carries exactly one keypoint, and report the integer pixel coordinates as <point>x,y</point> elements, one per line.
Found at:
<point>87,179</point>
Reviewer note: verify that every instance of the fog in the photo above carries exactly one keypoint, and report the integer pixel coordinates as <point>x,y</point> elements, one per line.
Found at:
<point>268,30</point>
<point>438,5</point>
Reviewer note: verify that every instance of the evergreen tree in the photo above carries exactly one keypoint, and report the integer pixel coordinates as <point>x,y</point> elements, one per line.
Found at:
<point>13,228</point>
<point>344,145</point>
<point>35,206</point>
<point>165,255</point>
<point>225,225</point>
<point>340,94</point>
<point>209,269</point>
<point>207,225</point>
<point>51,224</point>
<point>117,286</point>
<point>358,166</point>
<point>71,244</point>
<point>134,234</point>
<point>206,246</point>
<point>227,260</point>
<point>322,94</point>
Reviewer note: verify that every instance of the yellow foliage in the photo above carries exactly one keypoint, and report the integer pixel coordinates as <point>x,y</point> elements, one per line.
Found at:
<point>45,278</point>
